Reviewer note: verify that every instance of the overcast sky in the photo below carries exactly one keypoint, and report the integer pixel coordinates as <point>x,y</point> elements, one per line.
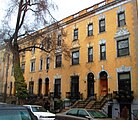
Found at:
<point>65,7</point>
<point>69,7</point>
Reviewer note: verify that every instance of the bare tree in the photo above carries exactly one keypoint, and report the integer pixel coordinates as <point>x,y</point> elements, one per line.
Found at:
<point>23,19</point>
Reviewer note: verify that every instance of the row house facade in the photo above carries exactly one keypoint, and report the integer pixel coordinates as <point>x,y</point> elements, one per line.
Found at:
<point>102,41</point>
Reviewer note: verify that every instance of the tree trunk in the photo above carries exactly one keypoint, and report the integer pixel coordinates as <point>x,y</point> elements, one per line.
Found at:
<point>20,85</point>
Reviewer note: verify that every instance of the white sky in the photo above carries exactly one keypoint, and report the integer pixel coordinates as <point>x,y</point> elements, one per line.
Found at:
<point>69,7</point>
<point>65,7</point>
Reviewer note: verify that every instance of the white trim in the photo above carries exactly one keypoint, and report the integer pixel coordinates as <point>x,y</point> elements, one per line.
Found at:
<point>114,6</point>
<point>121,9</point>
<point>121,38</point>
<point>57,76</point>
<point>101,17</point>
<point>103,70</point>
<point>102,41</point>
<point>123,68</point>
<point>99,12</point>
<point>75,74</point>
<point>90,45</point>
<point>122,33</point>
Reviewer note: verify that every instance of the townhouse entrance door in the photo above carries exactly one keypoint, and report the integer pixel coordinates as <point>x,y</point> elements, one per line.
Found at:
<point>90,85</point>
<point>75,87</point>
<point>124,88</point>
<point>46,86</point>
<point>39,87</point>
<point>57,88</point>
<point>103,83</point>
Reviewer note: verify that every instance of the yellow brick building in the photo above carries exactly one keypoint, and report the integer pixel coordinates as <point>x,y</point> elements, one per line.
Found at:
<point>103,49</point>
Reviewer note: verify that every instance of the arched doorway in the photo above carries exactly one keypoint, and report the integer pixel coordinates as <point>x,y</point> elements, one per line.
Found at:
<point>46,86</point>
<point>39,87</point>
<point>103,83</point>
<point>90,85</point>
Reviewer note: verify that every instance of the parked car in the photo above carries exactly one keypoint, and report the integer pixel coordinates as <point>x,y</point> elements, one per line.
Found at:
<point>41,112</point>
<point>80,113</point>
<point>14,112</point>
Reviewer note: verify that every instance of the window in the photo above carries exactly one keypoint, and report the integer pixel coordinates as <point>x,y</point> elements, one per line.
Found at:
<point>102,52</point>
<point>23,56</point>
<point>58,60</point>
<point>47,63</point>
<point>41,45</point>
<point>90,29</point>
<point>10,88</point>
<point>101,25</point>
<point>82,113</point>
<point>12,71</point>
<point>33,50</point>
<point>90,54</point>
<point>32,69</point>
<point>75,34</point>
<point>122,48</point>
<point>121,19</point>
<point>48,42</point>
<point>124,82</point>
<point>59,40</point>
<point>75,57</point>
<point>41,64</point>
<point>73,112</point>
<point>23,67</point>
<point>31,87</point>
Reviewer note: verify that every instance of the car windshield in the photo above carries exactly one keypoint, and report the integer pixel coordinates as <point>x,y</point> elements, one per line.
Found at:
<point>38,109</point>
<point>14,115</point>
<point>96,114</point>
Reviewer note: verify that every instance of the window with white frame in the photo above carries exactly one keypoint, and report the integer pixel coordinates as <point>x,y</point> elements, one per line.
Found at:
<point>124,81</point>
<point>90,29</point>
<point>76,34</point>
<point>121,19</point>
<point>122,47</point>
<point>41,64</point>
<point>102,25</point>
<point>23,66</point>
<point>90,54</point>
<point>59,40</point>
<point>33,50</point>
<point>31,87</point>
<point>75,57</point>
<point>32,66</point>
<point>58,60</point>
<point>102,51</point>
<point>47,63</point>
<point>48,42</point>
<point>41,45</point>
<point>12,71</point>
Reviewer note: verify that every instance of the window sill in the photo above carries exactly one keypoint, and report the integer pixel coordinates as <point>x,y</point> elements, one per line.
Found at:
<point>57,67</point>
<point>75,65</point>
<point>90,36</point>
<point>118,27</point>
<point>75,40</point>
<point>126,56</point>
<point>101,32</point>
<point>103,60</point>
<point>90,62</point>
